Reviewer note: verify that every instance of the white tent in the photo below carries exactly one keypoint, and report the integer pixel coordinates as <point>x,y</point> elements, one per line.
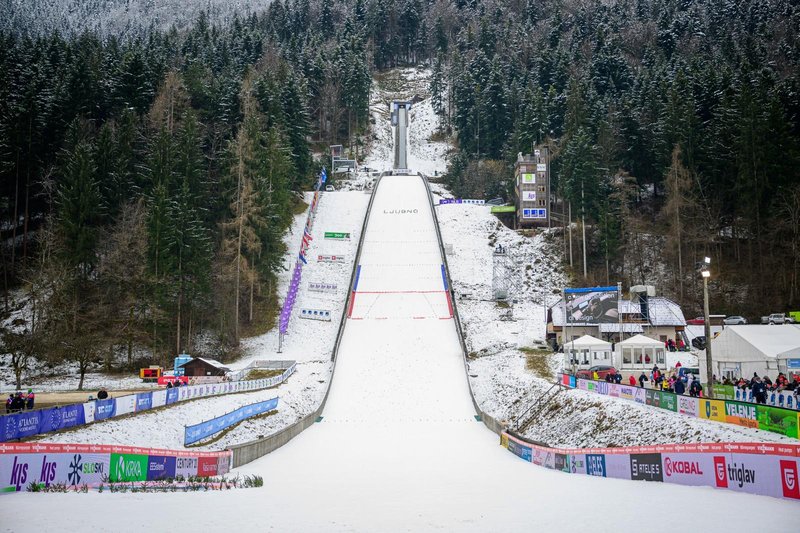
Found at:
<point>587,351</point>
<point>639,353</point>
<point>740,351</point>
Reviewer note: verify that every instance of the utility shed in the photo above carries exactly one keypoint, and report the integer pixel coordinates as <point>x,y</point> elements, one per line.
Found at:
<point>200,366</point>
<point>740,351</point>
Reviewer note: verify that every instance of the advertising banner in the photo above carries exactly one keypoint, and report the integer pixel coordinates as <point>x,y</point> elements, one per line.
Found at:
<point>534,213</point>
<point>206,467</point>
<point>337,235</point>
<point>144,401</point>
<point>322,287</point>
<point>596,464</point>
<point>724,392</point>
<point>186,466</point>
<point>529,178</point>
<point>626,392</point>
<point>641,396</point>
<point>688,405</point>
<point>198,432</point>
<point>646,467</point>
<point>741,414</point>
<point>520,450</point>
<point>160,398</point>
<point>28,423</point>
<point>105,408</point>
<point>57,418</point>
<point>316,314</point>
<point>652,397</point>
<point>172,395</point>
<point>777,420</point>
<point>127,467</point>
<point>160,467</point>
<point>528,196</point>
<point>125,405</point>
<point>669,401</point>
<point>712,410</point>
<point>614,391</point>
<point>541,167</point>
<point>688,468</point>
<point>596,305</point>
<point>324,258</point>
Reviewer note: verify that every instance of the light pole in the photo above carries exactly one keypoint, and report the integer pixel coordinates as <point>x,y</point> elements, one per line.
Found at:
<point>709,360</point>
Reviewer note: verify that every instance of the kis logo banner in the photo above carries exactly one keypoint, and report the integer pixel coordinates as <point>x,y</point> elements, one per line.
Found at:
<point>791,488</point>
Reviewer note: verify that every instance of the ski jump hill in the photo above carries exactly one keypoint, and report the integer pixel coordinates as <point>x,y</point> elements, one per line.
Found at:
<point>398,446</point>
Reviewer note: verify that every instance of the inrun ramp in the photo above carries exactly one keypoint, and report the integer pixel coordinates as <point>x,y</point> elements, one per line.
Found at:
<point>398,447</point>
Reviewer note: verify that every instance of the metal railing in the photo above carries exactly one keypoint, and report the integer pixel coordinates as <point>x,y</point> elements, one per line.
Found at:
<point>529,414</point>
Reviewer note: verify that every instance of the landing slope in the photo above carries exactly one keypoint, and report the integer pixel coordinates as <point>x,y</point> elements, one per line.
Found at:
<point>398,448</point>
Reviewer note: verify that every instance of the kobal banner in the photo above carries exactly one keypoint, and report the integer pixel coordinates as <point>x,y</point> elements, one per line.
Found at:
<point>757,468</point>
<point>596,305</point>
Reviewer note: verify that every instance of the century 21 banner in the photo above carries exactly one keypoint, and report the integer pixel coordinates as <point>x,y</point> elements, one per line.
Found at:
<point>596,305</point>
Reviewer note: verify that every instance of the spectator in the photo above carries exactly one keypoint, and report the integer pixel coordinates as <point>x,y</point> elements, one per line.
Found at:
<point>595,376</point>
<point>617,378</point>
<point>759,390</point>
<point>9,403</point>
<point>642,379</point>
<point>609,377</point>
<point>681,345</point>
<point>679,387</point>
<point>102,394</point>
<point>695,389</point>
<point>169,384</point>
<point>29,399</point>
<point>18,404</point>
<point>632,381</point>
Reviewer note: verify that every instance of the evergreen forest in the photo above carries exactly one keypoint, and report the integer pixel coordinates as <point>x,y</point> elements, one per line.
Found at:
<point>147,177</point>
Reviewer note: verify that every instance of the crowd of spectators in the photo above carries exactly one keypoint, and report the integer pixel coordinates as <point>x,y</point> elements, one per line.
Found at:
<point>763,386</point>
<point>20,402</point>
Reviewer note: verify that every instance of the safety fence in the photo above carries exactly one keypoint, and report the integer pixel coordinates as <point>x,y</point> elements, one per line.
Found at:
<point>76,465</point>
<point>203,430</point>
<point>755,468</point>
<point>30,423</point>
<point>767,418</point>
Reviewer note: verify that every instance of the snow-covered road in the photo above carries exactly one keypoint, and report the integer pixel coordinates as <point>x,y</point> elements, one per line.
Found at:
<point>398,448</point>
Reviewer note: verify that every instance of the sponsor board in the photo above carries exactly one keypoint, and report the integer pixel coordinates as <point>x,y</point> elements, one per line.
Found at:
<point>159,398</point>
<point>19,471</point>
<point>331,258</point>
<point>596,465</point>
<point>781,421</point>
<point>688,468</point>
<point>186,466</point>
<point>618,466</point>
<point>528,196</point>
<point>741,414</point>
<point>688,405</point>
<point>337,235</point>
<point>322,287</point>
<point>577,463</point>
<point>614,390</point>
<point>316,314</point>
<point>541,167</point>
<point>712,410</point>
<point>789,481</point>
<point>206,466</point>
<point>641,395</point>
<point>534,213</point>
<point>561,462</point>
<point>144,401</point>
<point>668,401</point>
<point>124,405</point>
<point>528,178</point>
<point>127,467</point>
<point>627,392</point>
<point>160,467</point>
<point>520,450</point>
<point>646,467</point>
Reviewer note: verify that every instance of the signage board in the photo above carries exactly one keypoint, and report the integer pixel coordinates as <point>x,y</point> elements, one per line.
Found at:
<point>322,286</point>
<point>331,258</point>
<point>503,209</point>
<point>529,178</point>
<point>541,167</point>
<point>316,314</point>
<point>337,235</point>
<point>528,196</point>
<point>534,213</point>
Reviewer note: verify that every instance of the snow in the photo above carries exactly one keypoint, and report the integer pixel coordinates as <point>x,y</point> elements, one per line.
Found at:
<point>398,446</point>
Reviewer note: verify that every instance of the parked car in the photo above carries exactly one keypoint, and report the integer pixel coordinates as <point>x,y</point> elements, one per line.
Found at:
<point>777,318</point>
<point>602,372</point>
<point>765,319</point>
<point>699,342</point>
<point>735,320</point>
<point>329,188</point>
<point>699,321</point>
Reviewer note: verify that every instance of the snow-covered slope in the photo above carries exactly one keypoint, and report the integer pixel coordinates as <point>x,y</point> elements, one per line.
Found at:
<point>398,449</point>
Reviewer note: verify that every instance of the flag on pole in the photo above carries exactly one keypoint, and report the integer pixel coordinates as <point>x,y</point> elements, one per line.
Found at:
<point>303,259</point>
<point>323,176</point>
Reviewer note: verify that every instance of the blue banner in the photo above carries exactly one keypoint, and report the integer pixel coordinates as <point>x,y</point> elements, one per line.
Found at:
<point>8,428</point>
<point>104,409</point>
<point>144,400</point>
<point>57,418</point>
<point>589,289</point>
<point>28,423</point>
<point>172,395</point>
<point>205,429</point>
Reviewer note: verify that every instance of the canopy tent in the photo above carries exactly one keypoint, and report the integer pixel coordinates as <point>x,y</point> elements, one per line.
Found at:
<point>639,352</point>
<point>741,351</point>
<point>587,351</point>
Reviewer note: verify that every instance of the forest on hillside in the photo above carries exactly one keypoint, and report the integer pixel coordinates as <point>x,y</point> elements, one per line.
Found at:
<point>147,176</point>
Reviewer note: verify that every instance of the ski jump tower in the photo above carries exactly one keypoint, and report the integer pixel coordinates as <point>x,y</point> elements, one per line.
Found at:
<point>400,110</point>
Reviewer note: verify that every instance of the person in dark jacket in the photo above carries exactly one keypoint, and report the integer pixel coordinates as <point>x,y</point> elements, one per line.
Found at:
<point>642,379</point>
<point>9,403</point>
<point>618,378</point>
<point>29,399</point>
<point>679,386</point>
<point>102,394</point>
<point>695,389</point>
<point>759,391</point>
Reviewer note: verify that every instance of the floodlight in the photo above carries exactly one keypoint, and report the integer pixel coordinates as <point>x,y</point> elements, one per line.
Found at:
<point>706,274</point>
<point>707,260</point>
